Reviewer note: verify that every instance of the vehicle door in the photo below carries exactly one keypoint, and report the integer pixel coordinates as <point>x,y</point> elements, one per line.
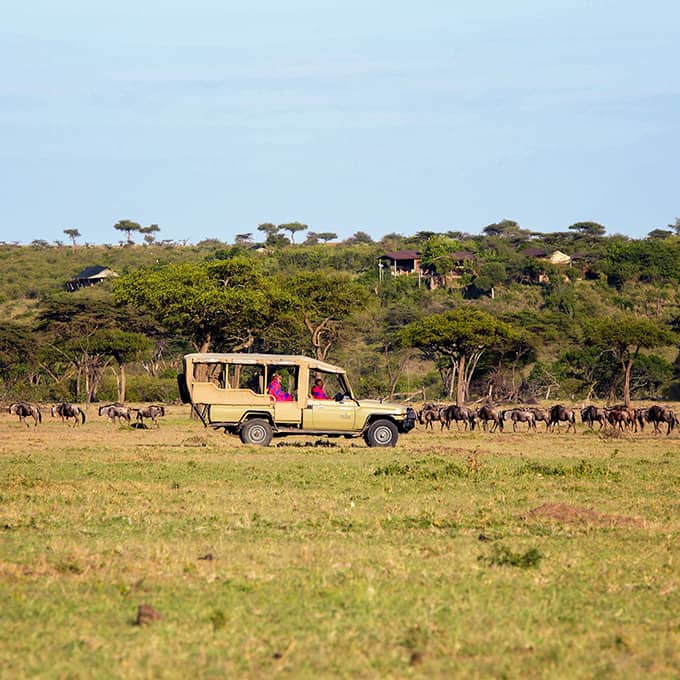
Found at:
<point>337,412</point>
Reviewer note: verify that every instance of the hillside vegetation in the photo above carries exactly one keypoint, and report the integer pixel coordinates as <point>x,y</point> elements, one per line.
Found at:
<point>333,300</point>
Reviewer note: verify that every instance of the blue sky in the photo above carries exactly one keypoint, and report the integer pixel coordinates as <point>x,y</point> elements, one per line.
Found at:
<point>211,117</point>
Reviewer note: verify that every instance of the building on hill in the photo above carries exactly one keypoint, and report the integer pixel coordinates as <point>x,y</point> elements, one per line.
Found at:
<point>90,276</point>
<point>401,262</point>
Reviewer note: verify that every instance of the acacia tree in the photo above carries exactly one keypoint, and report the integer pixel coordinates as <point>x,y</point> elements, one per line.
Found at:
<point>323,301</point>
<point>128,226</point>
<point>293,228</point>
<point>455,341</point>
<point>73,234</point>
<point>624,335</point>
<point>149,232</point>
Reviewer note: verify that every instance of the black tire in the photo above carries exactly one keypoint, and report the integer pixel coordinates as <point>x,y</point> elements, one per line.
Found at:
<point>382,433</point>
<point>257,432</point>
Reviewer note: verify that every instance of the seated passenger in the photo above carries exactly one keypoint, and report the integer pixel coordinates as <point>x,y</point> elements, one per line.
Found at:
<point>276,390</point>
<point>318,391</point>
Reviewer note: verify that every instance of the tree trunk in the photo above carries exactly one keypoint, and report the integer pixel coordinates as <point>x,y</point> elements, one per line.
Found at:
<point>122,384</point>
<point>627,366</point>
<point>460,385</point>
<point>205,345</point>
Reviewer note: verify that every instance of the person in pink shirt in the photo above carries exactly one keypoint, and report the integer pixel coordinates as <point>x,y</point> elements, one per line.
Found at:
<point>276,390</point>
<point>318,391</point>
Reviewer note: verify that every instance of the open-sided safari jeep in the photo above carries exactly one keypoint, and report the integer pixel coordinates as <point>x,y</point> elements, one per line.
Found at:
<point>230,391</point>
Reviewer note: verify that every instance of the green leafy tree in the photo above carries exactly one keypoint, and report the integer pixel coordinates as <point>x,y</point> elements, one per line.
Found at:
<point>624,335</point>
<point>324,300</point>
<point>124,347</point>
<point>18,357</point>
<point>436,254</point>
<point>269,229</point>
<point>222,304</point>
<point>293,228</point>
<point>128,226</point>
<point>456,341</point>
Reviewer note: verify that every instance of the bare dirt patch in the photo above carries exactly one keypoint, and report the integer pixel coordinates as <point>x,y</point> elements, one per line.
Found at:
<point>575,514</point>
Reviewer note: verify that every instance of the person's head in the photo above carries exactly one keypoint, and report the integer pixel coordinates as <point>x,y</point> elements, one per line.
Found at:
<point>318,382</point>
<point>276,376</point>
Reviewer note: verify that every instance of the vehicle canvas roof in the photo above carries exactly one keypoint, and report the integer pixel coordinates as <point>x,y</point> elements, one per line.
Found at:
<point>268,359</point>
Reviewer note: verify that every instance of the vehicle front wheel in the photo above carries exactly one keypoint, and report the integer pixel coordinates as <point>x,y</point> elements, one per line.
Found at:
<point>256,431</point>
<point>382,433</point>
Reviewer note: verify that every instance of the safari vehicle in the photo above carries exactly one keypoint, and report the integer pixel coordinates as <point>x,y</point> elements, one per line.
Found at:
<point>230,391</point>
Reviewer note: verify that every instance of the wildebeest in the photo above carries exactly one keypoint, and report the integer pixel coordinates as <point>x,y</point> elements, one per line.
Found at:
<point>66,411</point>
<point>153,411</point>
<point>518,415</point>
<point>488,413</point>
<point>661,414</point>
<point>640,415</point>
<point>561,414</point>
<point>428,414</point>
<point>24,410</point>
<point>115,412</point>
<point>620,416</point>
<point>541,415</point>
<point>460,413</point>
<point>592,414</point>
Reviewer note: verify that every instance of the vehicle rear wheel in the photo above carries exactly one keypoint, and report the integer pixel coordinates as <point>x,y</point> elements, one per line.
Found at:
<point>382,433</point>
<point>256,431</point>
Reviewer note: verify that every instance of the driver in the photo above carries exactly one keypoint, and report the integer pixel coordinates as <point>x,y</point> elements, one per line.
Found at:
<point>318,391</point>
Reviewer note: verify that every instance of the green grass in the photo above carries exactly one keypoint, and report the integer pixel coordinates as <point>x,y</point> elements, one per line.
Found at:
<point>418,561</point>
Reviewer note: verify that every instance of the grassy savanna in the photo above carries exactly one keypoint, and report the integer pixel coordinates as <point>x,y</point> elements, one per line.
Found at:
<point>455,554</point>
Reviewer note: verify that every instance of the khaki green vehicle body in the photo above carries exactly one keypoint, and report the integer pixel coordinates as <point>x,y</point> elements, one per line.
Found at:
<point>229,391</point>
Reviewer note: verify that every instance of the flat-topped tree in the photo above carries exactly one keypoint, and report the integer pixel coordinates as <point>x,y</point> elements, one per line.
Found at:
<point>326,236</point>
<point>268,228</point>
<point>591,229</point>
<point>73,234</point>
<point>293,228</point>
<point>149,232</point>
<point>128,226</point>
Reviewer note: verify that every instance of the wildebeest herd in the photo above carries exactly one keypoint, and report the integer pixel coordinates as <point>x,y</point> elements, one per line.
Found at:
<point>115,412</point>
<point>490,418</point>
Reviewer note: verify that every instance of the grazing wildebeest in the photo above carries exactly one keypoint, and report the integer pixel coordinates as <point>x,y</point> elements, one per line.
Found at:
<point>592,414</point>
<point>561,414</point>
<point>154,412</point>
<point>518,415</point>
<point>640,415</point>
<point>115,412</point>
<point>24,410</point>
<point>428,414</point>
<point>460,413</point>
<point>66,411</point>
<point>487,413</point>
<point>621,417</point>
<point>661,414</point>
<point>540,414</point>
